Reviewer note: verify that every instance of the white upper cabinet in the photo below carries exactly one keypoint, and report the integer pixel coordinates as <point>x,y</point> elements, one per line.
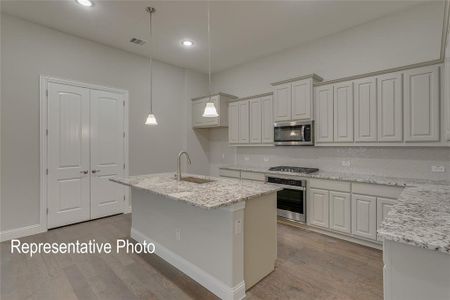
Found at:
<point>282,102</point>
<point>267,120</point>
<point>365,102</point>
<point>421,104</point>
<point>244,123</point>
<point>389,101</point>
<point>302,106</point>
<point>233,123</point>
<point>343,112</point>
<point>220,102</point>
<point>255,121</point>
<point>324,114</point>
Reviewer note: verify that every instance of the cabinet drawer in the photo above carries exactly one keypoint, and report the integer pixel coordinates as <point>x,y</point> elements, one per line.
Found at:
<point>331,185</point>
<point>253,176</point>
<point>230,173</point>
<point>377,190</point>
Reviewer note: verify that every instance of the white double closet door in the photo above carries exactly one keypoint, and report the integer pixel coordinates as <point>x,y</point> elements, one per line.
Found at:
<point>85,148</point>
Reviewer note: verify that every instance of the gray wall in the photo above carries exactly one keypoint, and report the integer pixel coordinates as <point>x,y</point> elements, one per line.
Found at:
<point>29,50</point>
<point>404,38</point>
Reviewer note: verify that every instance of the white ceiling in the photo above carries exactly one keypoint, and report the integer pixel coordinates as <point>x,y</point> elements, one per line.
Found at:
<point>240,30</point>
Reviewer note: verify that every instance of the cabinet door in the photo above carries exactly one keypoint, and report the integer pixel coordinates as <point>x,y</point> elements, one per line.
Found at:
<point>365,110</point>
<point>215,120</point>
<point>255,121</point>
<point>340,211</point>
<point>364,211</point>
<point>244,124</point>
<point>318,202</point>
<point>421,115</point>
<point>198,106</point>
<point>384,205</point>
<point>301,100</point>
<point>343,112</point>
<point>324,114</point>
<point>233,123</point>
<point>282,105</point>
<point>267,119</point>
<point>390,101</point>
<point>447,96</point>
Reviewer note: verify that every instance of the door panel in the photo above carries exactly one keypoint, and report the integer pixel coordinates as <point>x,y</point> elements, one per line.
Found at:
<point>301,100</point>
<point>365,110</point>
<point>107,153</point>
<point>282,105</point>
<point>390,114</point>
<point>343,112</point>
<point>324,114</point>
<point>267,119</point>
<point>198,107</point>
<point>68,155</point>
<point>340,211</point>
<point>233,123</point>
<point>318,211</point>
<point>244,123</point>
<point>364,213</point>
<point>255,121</point>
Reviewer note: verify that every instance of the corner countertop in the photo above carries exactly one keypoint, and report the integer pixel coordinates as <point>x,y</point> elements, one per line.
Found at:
<point>218,193</point>
<point>420,217</point>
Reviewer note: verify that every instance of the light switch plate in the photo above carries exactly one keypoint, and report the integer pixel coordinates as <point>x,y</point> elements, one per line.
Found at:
<point>438,169</point>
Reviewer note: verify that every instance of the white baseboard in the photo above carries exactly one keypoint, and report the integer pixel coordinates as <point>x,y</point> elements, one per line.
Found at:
<point>210,282</point>
<point>21,232</point>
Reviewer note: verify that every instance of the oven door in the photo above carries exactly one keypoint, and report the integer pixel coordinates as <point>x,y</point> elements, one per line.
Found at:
<point>291,203</point>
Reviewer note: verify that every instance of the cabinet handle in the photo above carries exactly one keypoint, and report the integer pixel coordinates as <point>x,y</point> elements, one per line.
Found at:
<point>84,172</point>
<point>95,171</point>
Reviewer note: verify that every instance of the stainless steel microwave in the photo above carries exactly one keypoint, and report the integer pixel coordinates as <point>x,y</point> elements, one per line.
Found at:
<point>294,133</point>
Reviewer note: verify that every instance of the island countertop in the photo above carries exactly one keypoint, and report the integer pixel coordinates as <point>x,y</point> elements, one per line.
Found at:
<point>218,193</point>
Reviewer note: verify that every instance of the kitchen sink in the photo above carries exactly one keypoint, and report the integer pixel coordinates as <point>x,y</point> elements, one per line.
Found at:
<point>196,179</point>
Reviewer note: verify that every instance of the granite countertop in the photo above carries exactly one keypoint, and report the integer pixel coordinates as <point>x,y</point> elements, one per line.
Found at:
<point>218,193</point>
<point>420,217</point>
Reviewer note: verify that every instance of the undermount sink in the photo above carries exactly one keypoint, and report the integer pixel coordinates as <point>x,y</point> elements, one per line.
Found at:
<point>196,180</point>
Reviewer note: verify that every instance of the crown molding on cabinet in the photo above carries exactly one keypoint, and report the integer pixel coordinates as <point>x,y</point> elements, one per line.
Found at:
<point>315,77</point>
<point>253,96</point>
<point>217,94</point>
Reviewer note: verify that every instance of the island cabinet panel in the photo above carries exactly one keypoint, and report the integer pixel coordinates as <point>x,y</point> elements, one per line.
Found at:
<point>302,100</point>
<point>233,123</point>
<point>319,207</point>
<point>421,104</point>
<point>343,112</point>
<point>365,110</point>
<point>324,114</point>
<point>340,211</point>
<point>282,102</point>
<point>384,205</point>
<point>389,102</point>
<point>364,211</point>
<point>244,122</point>
<point>255,121</point>
<point>267,120</point>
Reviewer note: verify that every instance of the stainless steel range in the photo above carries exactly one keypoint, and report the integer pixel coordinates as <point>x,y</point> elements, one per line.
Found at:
<point>291,201</point>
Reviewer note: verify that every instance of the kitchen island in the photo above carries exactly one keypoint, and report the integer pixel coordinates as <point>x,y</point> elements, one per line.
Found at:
<point>220,232</point>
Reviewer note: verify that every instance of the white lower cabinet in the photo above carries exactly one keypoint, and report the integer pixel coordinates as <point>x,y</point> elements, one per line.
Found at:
<point>319,208</point>
<point>340,211</point>
<point>364,212</point>
<point>384,205</point>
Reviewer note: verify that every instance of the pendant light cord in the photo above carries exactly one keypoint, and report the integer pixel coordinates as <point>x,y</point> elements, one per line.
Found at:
<point>209,53</point>
<point>150,11</point>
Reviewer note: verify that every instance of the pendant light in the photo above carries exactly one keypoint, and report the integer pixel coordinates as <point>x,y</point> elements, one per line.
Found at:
<point>210,108</point>
<point>151,119</point>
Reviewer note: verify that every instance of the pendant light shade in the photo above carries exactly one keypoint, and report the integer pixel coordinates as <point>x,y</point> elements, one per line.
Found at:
<point>151,120</point>
<point>210,108</point>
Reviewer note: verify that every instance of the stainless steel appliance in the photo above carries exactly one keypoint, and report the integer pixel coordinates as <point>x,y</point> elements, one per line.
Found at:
<point>294,133</point>
<point>291,201</point>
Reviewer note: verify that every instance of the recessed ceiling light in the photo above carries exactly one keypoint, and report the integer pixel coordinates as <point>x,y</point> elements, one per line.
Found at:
<point>87,3</point>
<point>187,43</point>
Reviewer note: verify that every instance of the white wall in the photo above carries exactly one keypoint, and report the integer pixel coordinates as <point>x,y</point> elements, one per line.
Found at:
<point>408,37</point>
<point>29,50</point>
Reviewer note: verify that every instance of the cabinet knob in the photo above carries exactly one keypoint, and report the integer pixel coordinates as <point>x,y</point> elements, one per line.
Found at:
<point>95,171</point>
<point>84,172</point>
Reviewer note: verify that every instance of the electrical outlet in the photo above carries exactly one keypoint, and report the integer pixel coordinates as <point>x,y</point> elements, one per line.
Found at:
<point>178,234</point>
<point>246,158</point>
<point>266,159</point>
<point>346,163</point>
<point>223,155</point>
<point>438,169</point>
<point>237,227</point>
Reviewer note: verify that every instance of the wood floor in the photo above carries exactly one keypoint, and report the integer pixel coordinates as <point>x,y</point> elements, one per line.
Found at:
<point>310,266</point>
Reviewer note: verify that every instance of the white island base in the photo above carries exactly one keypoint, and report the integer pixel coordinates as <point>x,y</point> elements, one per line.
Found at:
<point>227,249</point>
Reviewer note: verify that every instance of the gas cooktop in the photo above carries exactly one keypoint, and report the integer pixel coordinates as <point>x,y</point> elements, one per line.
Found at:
<point>293,169</point>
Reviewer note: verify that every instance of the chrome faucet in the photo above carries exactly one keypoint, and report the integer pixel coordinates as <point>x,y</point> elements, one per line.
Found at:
<point>179,163</point>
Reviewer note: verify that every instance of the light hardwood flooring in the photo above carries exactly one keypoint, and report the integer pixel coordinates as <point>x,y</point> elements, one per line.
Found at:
<point>310,266</point>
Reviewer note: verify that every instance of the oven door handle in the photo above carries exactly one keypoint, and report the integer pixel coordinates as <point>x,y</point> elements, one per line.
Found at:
<point>291,187</point>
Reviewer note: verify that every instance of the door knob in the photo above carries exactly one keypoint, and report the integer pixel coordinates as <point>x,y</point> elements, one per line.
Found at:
<point>84,172</point>
<point>95,171</point>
